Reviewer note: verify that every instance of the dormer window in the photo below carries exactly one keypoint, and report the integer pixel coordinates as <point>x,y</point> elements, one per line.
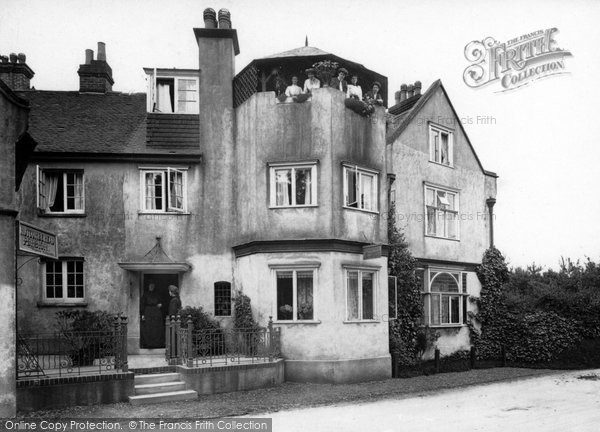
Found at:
<point>170,92</point>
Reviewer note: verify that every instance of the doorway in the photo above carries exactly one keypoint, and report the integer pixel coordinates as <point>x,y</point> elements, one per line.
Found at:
<point>154,304</point>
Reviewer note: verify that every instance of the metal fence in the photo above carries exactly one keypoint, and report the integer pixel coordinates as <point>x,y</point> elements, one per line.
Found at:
<point>195,348</point>
<point>72,353</point>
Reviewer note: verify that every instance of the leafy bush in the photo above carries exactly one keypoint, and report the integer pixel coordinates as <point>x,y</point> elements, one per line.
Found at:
<point>405,343</point>
<point>243,318</point>
<point>88,335</point>
<point>200,319</point>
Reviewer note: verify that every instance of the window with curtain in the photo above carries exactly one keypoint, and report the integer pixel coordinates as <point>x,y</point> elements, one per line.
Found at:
<point>441,210</point>
<point>295,294</point>
<point>176,95</point>
<point>64,280</point>
<point>163,190</point>
<point>222,298</point>
<point>60,191</point>
<point>360,295</point>
<point>360,188</point>
<point>441,145</point>
<point>293,186</point>
<point>445,298</point>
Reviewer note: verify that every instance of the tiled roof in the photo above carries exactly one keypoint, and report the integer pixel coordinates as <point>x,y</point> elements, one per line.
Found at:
<point>73,122</point>
<point>299,52</point>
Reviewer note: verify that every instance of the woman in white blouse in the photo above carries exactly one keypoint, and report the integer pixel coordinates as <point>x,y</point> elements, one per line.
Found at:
<point>354,90</point>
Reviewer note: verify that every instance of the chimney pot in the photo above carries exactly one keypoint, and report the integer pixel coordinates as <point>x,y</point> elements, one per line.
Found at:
<point>101,51</point>
<point>21,57</point>
<point>210,18</point>
<point>402,92</point>
<point>224,19</point>
<point>398,96</point>
<point>13,58</point>
<point>417,88</point>
<point>3,59</point>
<point>89,56</point>
<point>409,91</point>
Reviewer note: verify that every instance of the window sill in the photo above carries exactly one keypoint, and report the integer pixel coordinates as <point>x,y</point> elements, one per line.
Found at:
<point>363,322</point>
<point>293,206</point>
<point>46,304</point>
<point>361,210</point>
<point>442,238</point>
<point>61,215</point>
<point>311,322</point>
<point>441,164</point>
<point>158,213</point>
<point>446,326</point>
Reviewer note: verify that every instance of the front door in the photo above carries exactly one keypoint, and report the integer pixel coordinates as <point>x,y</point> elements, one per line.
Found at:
<point>154,303</point>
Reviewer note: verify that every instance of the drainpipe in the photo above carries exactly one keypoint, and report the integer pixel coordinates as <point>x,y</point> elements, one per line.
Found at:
<point>490,203</point>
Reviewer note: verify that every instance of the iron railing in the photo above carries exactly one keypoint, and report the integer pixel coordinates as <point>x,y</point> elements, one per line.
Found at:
<point>72,353</point>
<point>196,348</point>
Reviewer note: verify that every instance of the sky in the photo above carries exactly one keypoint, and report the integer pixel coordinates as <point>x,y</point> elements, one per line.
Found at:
<point>541,141</point>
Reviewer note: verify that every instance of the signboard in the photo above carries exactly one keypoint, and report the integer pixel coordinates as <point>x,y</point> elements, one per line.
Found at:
<point>372,251</point>
<point>37,241</point>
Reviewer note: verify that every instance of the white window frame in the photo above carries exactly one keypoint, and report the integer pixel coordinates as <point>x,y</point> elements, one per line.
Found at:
<point>65,286</point>
<point>439,213</point>
<point>41,202</point>
<point>361,270</point>
<point>433,128</point>
<point>152,90</point>
<point>295,268</point>
<point>360,172</point>
<point>427,296</point>
<point>273,167</point>
<point>165,173</point>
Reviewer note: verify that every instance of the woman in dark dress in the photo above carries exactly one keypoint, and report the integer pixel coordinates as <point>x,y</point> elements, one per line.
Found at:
<point>153,332</point>
<point>175,303</point>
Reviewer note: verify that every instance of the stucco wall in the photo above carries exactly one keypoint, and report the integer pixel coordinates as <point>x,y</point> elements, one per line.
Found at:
<point>322,130</point>
<point>13,123</point>
<point>330,337</point>
<point>410,162</point>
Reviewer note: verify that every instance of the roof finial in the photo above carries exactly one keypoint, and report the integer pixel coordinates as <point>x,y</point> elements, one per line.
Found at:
<point>306,41</point>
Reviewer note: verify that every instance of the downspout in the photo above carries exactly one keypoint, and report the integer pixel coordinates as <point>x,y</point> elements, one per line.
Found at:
<point>490,203</point>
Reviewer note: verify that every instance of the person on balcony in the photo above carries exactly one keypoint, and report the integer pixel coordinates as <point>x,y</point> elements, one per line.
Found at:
<point>339,82</point>
<point>373,97</point>
<point>354,90</point>
<point>294,89</point>
<point>311,82</point>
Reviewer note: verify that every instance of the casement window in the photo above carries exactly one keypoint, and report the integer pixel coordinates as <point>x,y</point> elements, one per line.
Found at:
<point>295,288</point>
<point>361,286</point>
<point>441,210</point>
<point>64,281</point>
<point>163,190</point>
<point>441,145</point>
<point>175,95</point>
<point>222,298</point>
<point>293,185</point>
<point>444,297</point>
<point>360,188</point>
<point>60,191</point>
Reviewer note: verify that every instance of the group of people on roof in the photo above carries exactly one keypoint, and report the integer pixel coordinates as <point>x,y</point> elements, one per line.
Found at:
<point>353,91</point>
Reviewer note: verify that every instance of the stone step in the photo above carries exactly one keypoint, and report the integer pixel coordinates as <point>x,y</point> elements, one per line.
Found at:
<point>156,378</point>
<point>182,395</point>
<point>160,387</point>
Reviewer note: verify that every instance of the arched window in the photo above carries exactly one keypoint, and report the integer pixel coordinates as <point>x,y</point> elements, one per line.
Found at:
<point>445,298</point>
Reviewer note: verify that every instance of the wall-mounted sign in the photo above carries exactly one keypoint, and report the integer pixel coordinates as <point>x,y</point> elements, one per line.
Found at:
<point>372,251</point>
<point>37,241</point>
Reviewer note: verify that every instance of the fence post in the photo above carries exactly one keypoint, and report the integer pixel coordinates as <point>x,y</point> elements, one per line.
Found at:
<point>124,344</point>
<point>177,340</point>
<point>437,360</point>
<point>168,340</point>
<point>472,358</point>
<point>271,338</point>
<point>117,342</point>
<point>190,332</point>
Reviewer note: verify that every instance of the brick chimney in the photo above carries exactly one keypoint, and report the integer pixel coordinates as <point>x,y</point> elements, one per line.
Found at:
<point>15,72</point>
<point>95,76</point>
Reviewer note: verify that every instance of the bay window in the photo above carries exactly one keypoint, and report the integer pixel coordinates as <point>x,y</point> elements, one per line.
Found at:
<point>360,188</point>
<point>360,294</point>
<point>295,294</point>
<point>293,185</point>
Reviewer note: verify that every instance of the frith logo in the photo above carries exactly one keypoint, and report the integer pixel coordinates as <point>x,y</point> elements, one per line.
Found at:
<point>515,63</point>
